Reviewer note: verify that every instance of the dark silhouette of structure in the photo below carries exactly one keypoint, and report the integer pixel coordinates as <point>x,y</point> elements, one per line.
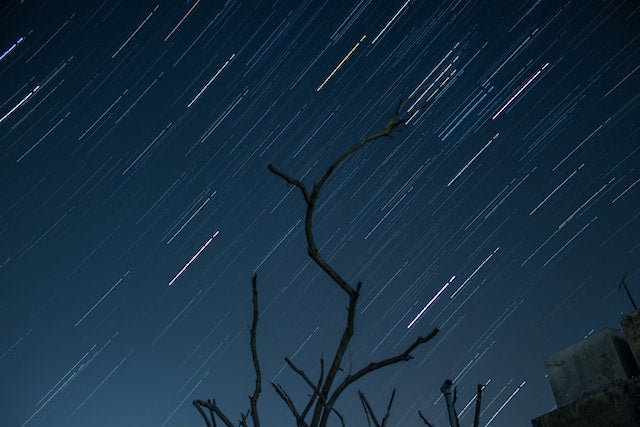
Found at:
<point>596,382</point>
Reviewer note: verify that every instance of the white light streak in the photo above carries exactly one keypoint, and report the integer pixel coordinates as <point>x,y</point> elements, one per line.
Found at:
<point>193,258</point>
<point>531,79</point>
<point>19,104</point>
<point>415,319</point>
<point>474,273</point>
<point>100,300</point>
<point>556,189</point>
<point>135,32</point>
<point>505,403</point>
<point>211,80</point>
<point>627,189</point>
<point>471,161</point>
<point>182,20</point>
<point>341,63</point>
<point>390,22</point>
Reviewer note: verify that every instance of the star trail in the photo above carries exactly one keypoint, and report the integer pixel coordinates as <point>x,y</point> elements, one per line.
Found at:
<point>136,203</point>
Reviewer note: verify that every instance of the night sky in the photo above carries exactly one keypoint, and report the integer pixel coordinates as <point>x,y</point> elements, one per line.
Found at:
<point>136,203</point>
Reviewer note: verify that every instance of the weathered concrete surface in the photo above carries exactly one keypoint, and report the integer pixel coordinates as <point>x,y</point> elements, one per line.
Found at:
<point>617,405</point>
<point>631,327</point>
<point>590,365</point>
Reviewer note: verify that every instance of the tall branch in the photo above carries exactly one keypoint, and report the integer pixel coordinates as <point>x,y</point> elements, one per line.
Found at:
<point>323,407</point>
<point>254,354</point>
<point>476,418</point>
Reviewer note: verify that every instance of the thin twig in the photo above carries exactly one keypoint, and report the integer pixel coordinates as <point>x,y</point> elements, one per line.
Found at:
<point>388,413</point>
<point>368,410</point>
<point>287,400</point>
<point>424,419</point>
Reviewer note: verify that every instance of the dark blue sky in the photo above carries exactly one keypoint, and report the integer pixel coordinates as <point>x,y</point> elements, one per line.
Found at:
<point>134,142</point>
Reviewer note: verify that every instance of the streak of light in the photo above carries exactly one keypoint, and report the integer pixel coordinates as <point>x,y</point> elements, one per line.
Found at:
<point>531,79</point>
<point>13,46</point>
<point>570,217</point>
<point>483,386</point>
<point>556,189</point>
<point>102,115</point>
<point>147,148</point>
<point>415,319</point>
<point>193,258</point>
<point>390,22</point>
<point>294,354</point>
<point>471,161</point>
<point>190,218</point>
<point>579,145</point>
<point>115,368</point>
<point>135,32</point>
<point>506,402</point>
<point>42,138</point>
<point>184,399</point>
<point>474,273</point>
<point>341,63</point>
<point>68,377</point>
<point>569,241</point>
<point>15,344</point>
<point>627,189</point>
<point>619,83</point>
<point>204,339</point>
<point>293,227</point>
<point>101,299</point>
<point>211,80</point>
<point>486,408</point>
<point>49,39</point>
<point>182,20</point>
<point>19,104</point>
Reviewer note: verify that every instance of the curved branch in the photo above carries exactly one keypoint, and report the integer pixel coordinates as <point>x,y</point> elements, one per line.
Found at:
<point>254,354</point>
<point>374,366</point>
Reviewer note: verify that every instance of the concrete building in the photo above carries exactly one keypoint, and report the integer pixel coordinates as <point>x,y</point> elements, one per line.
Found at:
<point>596,382</point>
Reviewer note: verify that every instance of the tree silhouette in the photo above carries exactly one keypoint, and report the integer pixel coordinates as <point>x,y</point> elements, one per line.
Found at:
<point>327,389</point>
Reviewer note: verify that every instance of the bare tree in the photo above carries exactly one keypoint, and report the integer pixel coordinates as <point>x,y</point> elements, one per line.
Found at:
<point>327,389</point>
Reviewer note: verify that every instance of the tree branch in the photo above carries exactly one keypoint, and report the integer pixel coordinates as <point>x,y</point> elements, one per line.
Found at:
<point>476,418</point>
<point>424,419</point>
<point>368,410</point>
<point>206,419</point>
<point>291,180</point>
<point>254,354</point>
<point>388,413</point>
<point>287,400</point>
<point>214,409</point>
<point>373,366</point>
<point>323,407</point>
<point>316,390</point>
